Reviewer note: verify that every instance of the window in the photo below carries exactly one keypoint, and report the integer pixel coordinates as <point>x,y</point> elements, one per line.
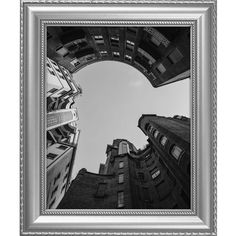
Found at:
<point>115,41</point>
<point>65,177</point>
<point>121,164</point>
<point>51,71</point>
<point>54,63</point>
<point>116,54</point>
<point>141,177</point>
<point>148,157</point>
<point>48,65</point>
<point>62,51</point>
<point>67,166</point>
<point>128,58</point>
<point>176,152</point>
<point>155,173</point>
<point>151,129</point>
<point>89,58</point>
<point>129,45</point>
<point>120,199</point>
<point>175,56</point>
<point>101,190</point>
<point>58,70</point>
<point>163,140</point>
<point>155,134</point>
<point>99,39</point>
<point>123,148</point>
<point>130,42</point>
<point>160,68</point>
<point>62,147</point>
<point>121,178</point>
<point>75,62</point>
<point>53,192</point>
<point>57,177</point>
<point>148,58</point>
<point>51,204</point>
<point>155,41</point>
<point>51,156</point>
<point>62,189</point>
<point>103,53</point>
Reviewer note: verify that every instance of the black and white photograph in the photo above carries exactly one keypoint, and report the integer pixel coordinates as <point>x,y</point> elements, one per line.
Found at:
<point>118,103</point>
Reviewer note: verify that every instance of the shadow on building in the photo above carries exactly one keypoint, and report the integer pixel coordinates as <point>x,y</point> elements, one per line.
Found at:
<point>157,177</point>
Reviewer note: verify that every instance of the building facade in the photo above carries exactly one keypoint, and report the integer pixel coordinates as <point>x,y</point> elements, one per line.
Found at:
<point>157,177</point>
<point>61,90</point>
<point>62,131</point>
<point>162,54</point>
<point>62,143</point>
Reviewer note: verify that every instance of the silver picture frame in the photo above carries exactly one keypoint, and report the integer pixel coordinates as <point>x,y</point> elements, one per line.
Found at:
<point>200,16</point>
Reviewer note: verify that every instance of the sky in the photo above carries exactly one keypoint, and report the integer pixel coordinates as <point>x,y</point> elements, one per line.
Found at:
<point>114,97</point>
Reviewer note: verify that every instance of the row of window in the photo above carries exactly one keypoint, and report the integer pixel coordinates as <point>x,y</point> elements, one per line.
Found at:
<point>175,151</point>
<point>52,156</point>
<point>57,186</point>
<point>174,57</point>
<point>155,172</point>
<point>77,61</point>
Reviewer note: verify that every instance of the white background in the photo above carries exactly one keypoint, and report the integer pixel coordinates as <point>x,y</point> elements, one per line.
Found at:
<point>9,87</point>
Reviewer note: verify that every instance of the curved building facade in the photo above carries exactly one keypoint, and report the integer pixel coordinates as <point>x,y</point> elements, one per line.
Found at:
<point>162,54</point>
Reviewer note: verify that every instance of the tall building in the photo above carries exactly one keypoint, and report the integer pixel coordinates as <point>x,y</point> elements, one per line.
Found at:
<point>62,131</point>
<point>170,139</point>
<point>162,54</point>
<point>157,177</point>
<point>62,145</point>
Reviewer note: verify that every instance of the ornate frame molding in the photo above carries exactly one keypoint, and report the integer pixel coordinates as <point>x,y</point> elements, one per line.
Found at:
<point>33,13</point>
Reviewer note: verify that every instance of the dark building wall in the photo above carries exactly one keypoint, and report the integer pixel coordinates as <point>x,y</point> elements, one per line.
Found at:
<point>149,181</point>
<point>160,53</point>
<point>177,133</point>
<point>89,190</point>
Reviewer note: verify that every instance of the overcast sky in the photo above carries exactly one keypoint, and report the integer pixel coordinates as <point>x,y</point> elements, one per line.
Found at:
<point>114,97</point>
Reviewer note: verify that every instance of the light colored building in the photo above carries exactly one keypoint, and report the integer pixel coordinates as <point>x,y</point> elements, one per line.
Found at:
<point>57,85</point>
<point>59,161</point>
<point>61,117</point>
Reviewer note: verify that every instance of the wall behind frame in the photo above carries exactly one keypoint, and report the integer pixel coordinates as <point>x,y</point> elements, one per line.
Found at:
<point>9,117</point>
